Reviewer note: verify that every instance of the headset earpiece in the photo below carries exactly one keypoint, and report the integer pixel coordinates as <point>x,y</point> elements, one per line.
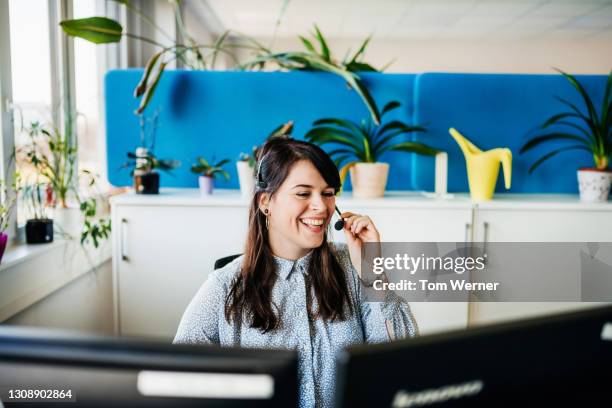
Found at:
<point>261,184</point>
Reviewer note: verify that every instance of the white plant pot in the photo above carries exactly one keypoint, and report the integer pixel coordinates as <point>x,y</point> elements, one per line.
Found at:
<point>68,221</point>
<point>369,180</point>
<point>206,185</point>
<point>246,179</point>
<point>594,185</point>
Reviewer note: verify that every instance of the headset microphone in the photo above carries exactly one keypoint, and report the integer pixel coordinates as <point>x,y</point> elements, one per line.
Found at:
<point>339,225</point>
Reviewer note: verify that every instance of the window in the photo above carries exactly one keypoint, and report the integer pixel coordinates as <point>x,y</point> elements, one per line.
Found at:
<point>87,79</point>
<point>31,76</point>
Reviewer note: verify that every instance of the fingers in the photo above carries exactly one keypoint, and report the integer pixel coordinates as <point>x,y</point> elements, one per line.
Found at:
<point>355,222</point>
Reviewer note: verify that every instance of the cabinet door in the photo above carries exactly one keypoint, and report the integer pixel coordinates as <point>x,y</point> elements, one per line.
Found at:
<point>425,225</point>
<point>527,225</point>
<point>162,257</point>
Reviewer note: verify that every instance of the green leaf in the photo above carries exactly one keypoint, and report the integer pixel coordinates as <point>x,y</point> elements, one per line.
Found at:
<point>556,118</point>
<point>98,30</point>
<point>554,153</point>
<point>203,162</point>
<point>536,141</point>
<point>325,137</point>
<point>580,115</point>
<point>360,51</point>
<point>398,125</point>
<point>142,85</point>
<point>335,152</point>
<point>315,132</point>
<point>347,124</point>
<point>606,105</point>
<point>414,147</point>
<point>587,100</point>
<point>360,67</point>
<point>308,44</point>
<point>151,89</point>
<point>379,146</point>
<point>324,48</point>
<point>217,47</point>
<point>389,107</point>
<point>222,162</point>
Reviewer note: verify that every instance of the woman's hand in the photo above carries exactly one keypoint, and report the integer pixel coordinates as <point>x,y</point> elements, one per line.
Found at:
<point>358,229</point>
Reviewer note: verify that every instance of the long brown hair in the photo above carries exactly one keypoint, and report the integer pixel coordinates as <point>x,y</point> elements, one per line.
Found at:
<point>251,292</point>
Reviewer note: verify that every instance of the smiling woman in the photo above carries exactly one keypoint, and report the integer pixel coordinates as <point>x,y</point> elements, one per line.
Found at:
<point>292,288</point>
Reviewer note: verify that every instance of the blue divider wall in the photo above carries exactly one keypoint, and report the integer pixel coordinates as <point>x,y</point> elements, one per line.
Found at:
<point>499,110</point>
<point>223,113</point>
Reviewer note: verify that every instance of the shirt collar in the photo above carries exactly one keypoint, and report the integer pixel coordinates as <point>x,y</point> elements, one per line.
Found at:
<point>286,266</point>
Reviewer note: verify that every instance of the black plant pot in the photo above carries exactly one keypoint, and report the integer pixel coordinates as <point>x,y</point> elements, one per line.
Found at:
<point>146,183</point>
<point>39,231</point>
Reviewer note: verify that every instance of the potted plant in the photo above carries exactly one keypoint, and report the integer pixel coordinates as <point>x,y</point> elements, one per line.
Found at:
<point>143,163</point>
<point>246,173</point>
<point>39,227</point>
<point>590,131</point>
<point>52,156</point>
<point>362,145</point>
<point>143,166</point>
<point>207,174</point>
<point>8,198</point>
<point>246,162</point>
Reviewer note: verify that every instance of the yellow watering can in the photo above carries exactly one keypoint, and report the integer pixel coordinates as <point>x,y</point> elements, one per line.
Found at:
<point>483,167</point>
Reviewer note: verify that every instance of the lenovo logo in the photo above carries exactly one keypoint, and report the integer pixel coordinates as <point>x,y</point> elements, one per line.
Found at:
<point>405,399</point>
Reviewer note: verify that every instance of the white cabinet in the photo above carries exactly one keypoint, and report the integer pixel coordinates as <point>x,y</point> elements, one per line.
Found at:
<point>537,218</point>
<point>163,252</point>
<point>165,246</point>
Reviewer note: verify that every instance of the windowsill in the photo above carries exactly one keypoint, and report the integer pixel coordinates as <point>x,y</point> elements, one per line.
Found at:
<point>31,272</point>
<point>21,252</point>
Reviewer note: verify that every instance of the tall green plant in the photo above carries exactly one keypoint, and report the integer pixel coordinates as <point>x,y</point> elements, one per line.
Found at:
<point>366,141</point>
<point>53,156</point>
<point>102,30</point>
<point>313,59</point>
<point>592,131</point>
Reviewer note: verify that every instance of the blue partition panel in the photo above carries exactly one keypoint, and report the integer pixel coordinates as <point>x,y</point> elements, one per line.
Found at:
<point>498,110</point>
<point>220,114</point>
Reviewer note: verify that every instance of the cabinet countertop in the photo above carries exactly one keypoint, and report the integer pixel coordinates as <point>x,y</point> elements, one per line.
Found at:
<point>392,199</point>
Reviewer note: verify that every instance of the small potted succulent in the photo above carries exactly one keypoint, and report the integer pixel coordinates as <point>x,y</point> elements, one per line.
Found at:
<point>39,228</point>
<point>207,174</point>
<point>361,145</point>
<point>143,165</point>
<point>246,162</point>
<point>590,131</point>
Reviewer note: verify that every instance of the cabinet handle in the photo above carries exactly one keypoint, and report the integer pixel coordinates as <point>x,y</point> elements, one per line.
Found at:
<point>485,234</point>
<point>467,232</point>
<point>123,239</point>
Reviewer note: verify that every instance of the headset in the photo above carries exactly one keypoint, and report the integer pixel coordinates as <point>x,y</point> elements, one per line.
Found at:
<point>263,185</point>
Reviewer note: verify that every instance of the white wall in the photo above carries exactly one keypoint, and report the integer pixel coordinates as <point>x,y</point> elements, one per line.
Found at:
<point>503,56</point>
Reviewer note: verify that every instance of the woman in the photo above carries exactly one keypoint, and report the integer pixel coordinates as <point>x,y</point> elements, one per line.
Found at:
<point>292,288</point>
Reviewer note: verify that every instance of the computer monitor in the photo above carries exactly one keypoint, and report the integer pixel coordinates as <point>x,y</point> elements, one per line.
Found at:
<point>555,360</point>
<point>108,371</point>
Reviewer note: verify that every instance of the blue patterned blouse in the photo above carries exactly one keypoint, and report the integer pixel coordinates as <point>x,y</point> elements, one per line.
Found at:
<point>317,341</point>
